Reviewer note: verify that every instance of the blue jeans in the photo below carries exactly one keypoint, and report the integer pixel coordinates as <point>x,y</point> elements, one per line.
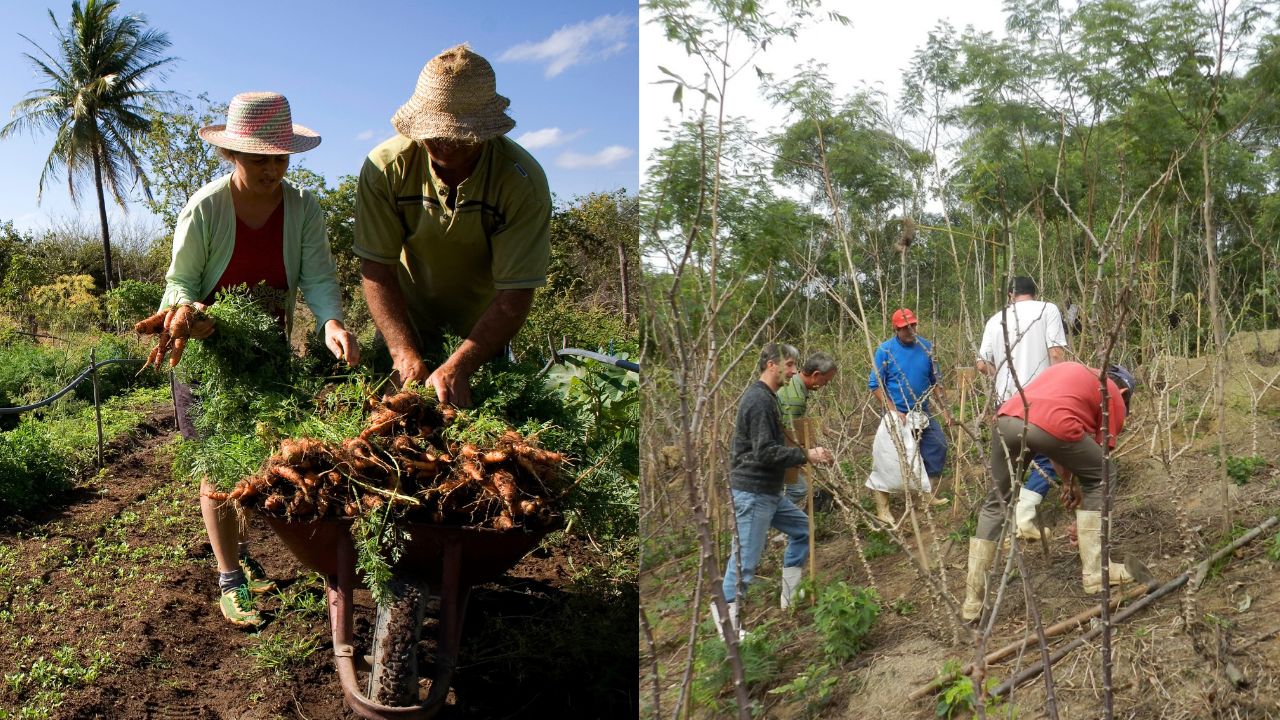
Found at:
<point>755,513</point>
<point>1040,476</point>
<point>933,448</point>
<point>797,492</point>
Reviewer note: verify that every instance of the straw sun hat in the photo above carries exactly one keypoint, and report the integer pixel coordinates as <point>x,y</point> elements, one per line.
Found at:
<point>456,99</point>
<point>260,123</point>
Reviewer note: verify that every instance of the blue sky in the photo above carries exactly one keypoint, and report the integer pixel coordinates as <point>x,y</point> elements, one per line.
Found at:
<point>570,69</point>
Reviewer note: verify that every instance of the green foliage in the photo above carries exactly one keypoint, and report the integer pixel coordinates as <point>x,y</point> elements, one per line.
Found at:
<point>1242,469</point>
<point>180,161</point>
<point>877,544</point>
<point>379,544</point>
<point>713,673</point>
<point>282,650</point>
<point>29,473</point>
<point>957,695</point>
<point>605,402</point>
<point>557,320</point>
<point>812,690</point>
<point>131,301</point>
<point>45,679</point>
<point>843,618</point>
<point>67,304</point>
<point>243,379</point>
<point>1273,548</point>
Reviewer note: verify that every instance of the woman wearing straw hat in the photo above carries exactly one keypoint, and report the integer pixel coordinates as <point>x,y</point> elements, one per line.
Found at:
<point>252,227</point>
<point>453,226</point>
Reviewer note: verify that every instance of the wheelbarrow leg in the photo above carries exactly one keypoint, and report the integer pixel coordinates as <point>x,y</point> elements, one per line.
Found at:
<point>340,608</point>
<point>453,610</point>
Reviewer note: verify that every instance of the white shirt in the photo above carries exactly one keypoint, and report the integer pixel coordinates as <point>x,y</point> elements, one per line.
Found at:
<point>1033,326</point>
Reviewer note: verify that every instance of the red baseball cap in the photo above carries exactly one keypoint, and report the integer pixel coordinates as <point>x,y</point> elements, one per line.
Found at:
<point>903,317</point>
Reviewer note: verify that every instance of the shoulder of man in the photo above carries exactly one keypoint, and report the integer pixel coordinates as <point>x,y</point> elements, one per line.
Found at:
<point>393,153</point>
<point>513,161</point>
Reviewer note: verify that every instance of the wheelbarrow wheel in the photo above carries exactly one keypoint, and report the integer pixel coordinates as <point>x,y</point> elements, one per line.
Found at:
<point>394,679</point>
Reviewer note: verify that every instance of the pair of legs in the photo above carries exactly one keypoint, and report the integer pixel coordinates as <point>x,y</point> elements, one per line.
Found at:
<point>755,513</point>
<point>1013,444</point>
<point>222,525</point>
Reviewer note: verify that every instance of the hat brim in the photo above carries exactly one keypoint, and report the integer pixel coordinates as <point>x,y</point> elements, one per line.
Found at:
<point>302,140</point>
<point>417,122</point>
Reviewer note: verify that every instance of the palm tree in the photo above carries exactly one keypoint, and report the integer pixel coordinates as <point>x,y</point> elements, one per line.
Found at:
<point>93,102</point>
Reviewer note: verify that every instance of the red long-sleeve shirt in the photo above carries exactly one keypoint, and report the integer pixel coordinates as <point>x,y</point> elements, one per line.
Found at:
<point>1065,401</point>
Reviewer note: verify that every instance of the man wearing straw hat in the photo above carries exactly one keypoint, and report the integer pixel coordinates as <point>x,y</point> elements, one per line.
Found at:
<point>453,226</point>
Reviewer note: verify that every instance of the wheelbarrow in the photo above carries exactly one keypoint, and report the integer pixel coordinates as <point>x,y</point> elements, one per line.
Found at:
<point>450,559</point>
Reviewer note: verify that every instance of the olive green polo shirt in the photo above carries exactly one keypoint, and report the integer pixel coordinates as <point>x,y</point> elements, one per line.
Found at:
<point>453,258</point>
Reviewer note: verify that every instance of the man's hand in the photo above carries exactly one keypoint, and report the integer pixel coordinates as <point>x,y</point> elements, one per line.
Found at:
<point>820,456</point>
<point>1072,495</point>
<point>452,387</point>
<point>341,342</point>
<point>407,367</point>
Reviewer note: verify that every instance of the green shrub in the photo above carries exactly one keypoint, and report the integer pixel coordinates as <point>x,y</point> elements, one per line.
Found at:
<point>31,472</point>
<point>1242,469</point>
<point>131,301</point>
<point>843,618</point>
<point>557,320</point>
<point>957,695</point>
<point>878,543</point>
<point>66,304</point>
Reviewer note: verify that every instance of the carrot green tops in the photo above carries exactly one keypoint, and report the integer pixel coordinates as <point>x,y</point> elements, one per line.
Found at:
<point>455,247</point>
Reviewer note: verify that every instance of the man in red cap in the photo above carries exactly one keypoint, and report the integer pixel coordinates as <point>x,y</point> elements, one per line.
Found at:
<point>903,376</point>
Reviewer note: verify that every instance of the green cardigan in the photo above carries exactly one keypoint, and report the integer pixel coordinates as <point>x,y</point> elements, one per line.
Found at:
<point>205,238</point>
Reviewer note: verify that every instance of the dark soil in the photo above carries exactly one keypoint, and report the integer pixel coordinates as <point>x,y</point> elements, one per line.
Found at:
<point>121,571</point>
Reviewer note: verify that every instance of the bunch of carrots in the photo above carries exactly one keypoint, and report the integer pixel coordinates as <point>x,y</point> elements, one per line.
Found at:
<point>402,458</point>
<point>173,327</point>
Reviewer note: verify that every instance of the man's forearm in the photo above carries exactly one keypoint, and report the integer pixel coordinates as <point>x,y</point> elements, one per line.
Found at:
<point>496,327</point>
<point>386,305</point>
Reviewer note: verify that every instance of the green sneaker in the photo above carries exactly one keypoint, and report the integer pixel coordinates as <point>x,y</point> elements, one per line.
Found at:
<point>256,578</point>
<point>237,607</point>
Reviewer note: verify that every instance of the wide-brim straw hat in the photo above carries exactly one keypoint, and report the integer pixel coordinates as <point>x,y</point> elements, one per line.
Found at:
<point>456,99</point>
<point>260,123</point>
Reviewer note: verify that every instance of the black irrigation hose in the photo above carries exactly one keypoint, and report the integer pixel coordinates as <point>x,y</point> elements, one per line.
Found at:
<point>79,379</point>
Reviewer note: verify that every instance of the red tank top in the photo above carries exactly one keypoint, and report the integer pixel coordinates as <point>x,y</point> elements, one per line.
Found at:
<point>258,257</point>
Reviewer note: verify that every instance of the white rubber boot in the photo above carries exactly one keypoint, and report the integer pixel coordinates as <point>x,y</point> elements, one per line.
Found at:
<point>733,620</point>
<point>882,506</point>
<point>981,552</point>
<point>791,577</point>
<point>1024,514</point>
<point>1089,532</point>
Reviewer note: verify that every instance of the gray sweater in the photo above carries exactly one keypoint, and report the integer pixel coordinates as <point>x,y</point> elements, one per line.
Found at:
<point>759,456</point>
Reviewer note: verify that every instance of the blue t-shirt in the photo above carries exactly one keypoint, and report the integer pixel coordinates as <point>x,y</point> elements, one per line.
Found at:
<point>906,372</point>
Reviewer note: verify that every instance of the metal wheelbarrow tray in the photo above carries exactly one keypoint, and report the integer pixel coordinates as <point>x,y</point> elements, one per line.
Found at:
<point>451,559</point>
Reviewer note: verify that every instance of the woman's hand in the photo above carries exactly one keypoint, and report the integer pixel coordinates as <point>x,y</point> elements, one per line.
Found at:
<point>202,328</point>
<point>341,343</point>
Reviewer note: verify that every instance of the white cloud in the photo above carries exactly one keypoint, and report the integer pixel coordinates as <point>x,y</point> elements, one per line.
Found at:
<point>366,135</point>
<point>604,158</point>
<point>575,44</point>
<point>546,137</point>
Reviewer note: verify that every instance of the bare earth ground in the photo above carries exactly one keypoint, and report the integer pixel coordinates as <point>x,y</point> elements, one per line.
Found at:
<point>1169,659</point>
<point>107,611</point>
